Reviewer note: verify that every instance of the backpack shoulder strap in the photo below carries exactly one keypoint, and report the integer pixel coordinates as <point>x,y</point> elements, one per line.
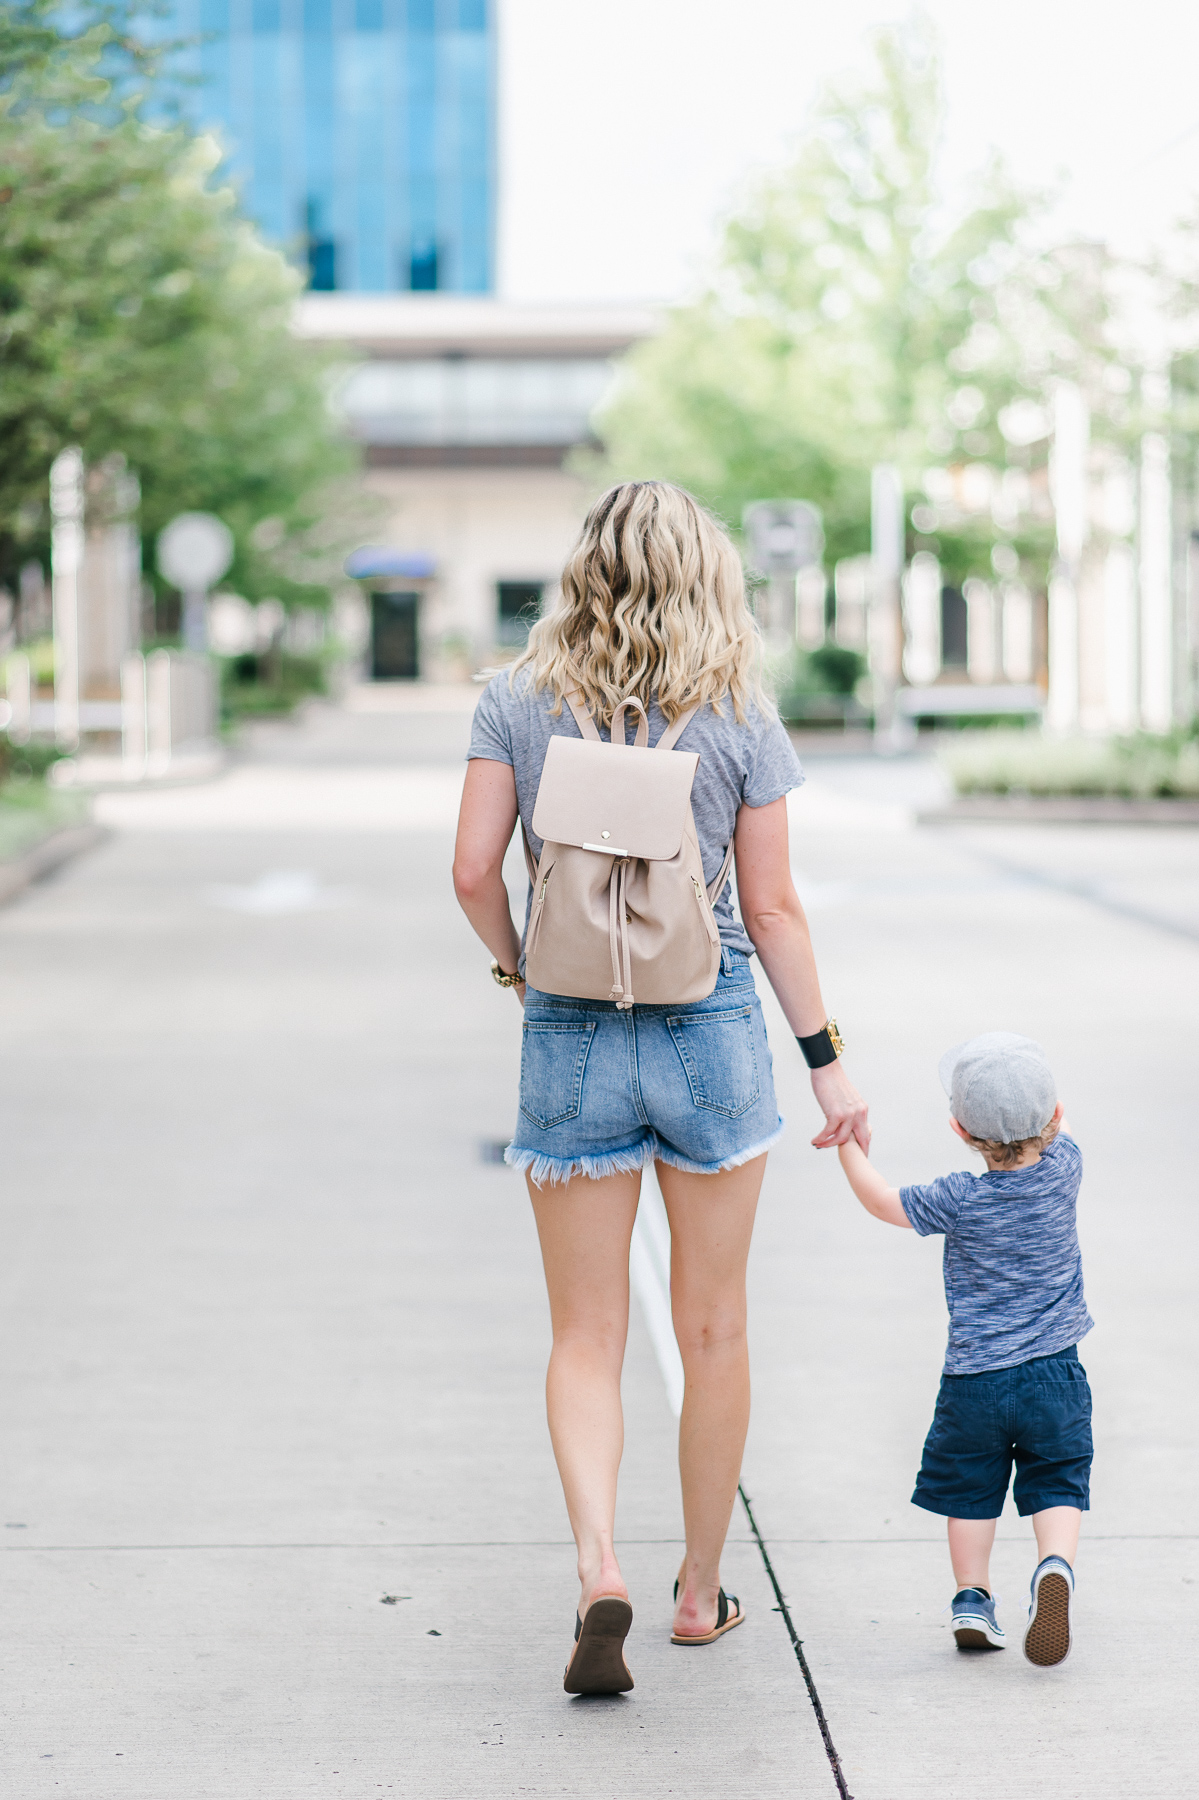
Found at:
<point>673,733</point>
<point>582,717</point>
<point>716,888</point>
<point>530,865</point>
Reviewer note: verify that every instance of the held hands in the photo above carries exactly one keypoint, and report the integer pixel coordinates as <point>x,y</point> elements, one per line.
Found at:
<point>843,1107</point>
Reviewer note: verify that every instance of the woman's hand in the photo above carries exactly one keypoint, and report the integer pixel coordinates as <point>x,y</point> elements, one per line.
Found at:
<point>843,1107</point>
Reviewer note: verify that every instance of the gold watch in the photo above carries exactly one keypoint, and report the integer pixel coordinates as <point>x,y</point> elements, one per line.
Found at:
<point>502,980</point>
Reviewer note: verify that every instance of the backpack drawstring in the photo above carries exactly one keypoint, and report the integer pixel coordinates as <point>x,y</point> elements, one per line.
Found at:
<point>618,936</point>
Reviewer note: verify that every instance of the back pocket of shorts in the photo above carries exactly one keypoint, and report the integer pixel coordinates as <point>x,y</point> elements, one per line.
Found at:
<point>552,1061</point>
<point>717,1051</point>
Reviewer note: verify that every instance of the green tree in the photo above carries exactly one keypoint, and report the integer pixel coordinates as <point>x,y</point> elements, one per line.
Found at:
<point>139,312</point>
<point>859,314</point>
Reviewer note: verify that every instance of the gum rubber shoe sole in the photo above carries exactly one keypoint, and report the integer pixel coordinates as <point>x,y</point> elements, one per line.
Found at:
<point>969,1636</point>
<point>1047,1639</point>
<point>598,1665</point>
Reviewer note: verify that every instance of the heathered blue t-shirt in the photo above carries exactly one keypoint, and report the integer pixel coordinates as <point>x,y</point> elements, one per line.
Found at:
<point>739,765</point>
<point>1012,1265</point>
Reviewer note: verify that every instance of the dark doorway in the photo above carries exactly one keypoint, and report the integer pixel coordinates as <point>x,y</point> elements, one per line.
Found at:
<point>953,628</point>
<point>422,269</point>
<point>322,251</point>
<point>395,648</point>
<point>322,265</point>
<point>519,607</point>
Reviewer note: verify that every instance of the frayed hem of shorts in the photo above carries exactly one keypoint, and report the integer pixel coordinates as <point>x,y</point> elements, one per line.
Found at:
<point>675,1161</point>
<point>541,1168</point>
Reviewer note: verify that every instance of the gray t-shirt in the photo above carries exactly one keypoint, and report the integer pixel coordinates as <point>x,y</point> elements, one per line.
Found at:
<point>739,765</point>
<point>1013,1269</point>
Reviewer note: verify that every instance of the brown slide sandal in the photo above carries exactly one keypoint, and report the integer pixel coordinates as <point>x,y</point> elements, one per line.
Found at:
<point>597,1665</point>
<point>724,1620</point>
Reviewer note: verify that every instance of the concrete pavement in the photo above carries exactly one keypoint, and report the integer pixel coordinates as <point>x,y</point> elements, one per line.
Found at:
<point>273,1331</point>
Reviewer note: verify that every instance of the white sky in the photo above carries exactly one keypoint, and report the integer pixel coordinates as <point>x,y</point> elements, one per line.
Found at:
<point>627,129</point>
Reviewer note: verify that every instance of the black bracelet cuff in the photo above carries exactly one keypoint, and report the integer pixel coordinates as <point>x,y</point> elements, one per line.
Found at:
<point>822,1047</point>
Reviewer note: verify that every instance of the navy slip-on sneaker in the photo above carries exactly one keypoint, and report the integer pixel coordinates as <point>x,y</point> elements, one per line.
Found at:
<point>1048,1635</point>
<point>975,1626</point>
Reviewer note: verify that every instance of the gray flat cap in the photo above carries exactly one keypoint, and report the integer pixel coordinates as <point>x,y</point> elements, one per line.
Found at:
<point>1000,1086</point>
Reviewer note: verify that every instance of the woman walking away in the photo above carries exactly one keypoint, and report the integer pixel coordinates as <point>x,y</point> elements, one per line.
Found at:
<point>669,1063</point>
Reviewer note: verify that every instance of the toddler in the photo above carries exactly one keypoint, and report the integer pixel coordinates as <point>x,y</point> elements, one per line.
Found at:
<point>1013,1389</point>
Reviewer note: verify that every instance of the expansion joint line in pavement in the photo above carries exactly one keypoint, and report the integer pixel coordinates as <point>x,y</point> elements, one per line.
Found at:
<point>649,1273</point>
<point>797,1645</point>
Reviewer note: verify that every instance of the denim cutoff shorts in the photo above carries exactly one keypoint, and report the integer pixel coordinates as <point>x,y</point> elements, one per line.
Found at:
<point>603,1091</point>
<point>1036,1414</point>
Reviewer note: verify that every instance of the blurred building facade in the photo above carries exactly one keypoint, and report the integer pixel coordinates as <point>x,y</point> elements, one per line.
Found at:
<point>361,133</point>
<point>468,412</point>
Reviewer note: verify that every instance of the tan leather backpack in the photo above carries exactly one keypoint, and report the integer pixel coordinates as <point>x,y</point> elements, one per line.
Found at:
<point>620,908</point>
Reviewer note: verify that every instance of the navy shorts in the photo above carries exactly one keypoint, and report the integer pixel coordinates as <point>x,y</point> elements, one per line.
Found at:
<point>1036,1415</point>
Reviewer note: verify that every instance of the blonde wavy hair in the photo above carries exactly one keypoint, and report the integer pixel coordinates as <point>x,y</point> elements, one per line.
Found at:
<point>652,604</point>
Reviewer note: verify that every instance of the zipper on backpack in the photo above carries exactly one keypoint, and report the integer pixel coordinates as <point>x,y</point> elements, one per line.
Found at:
<point>537,910</point>
<point>709,921</point>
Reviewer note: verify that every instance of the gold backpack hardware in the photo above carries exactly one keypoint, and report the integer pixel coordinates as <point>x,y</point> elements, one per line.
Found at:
<point>619,898</point>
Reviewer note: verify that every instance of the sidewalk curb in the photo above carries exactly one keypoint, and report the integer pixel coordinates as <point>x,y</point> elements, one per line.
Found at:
<point>42,860</point>
<point>1061,809</point>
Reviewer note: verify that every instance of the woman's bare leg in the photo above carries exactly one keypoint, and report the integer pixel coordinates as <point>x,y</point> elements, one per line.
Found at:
<point>711,1222</point>
<point>585,1227</point>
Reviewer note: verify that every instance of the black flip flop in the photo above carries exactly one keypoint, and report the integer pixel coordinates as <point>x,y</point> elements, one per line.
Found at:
<point>724,1620</point>
<point>598,1665</point>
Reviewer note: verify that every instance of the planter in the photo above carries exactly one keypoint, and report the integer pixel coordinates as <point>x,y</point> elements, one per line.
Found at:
<point>1062,809</point>
<point>836,712</point>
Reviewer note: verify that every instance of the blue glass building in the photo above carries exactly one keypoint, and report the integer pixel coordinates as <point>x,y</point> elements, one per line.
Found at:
<point>360,132</point>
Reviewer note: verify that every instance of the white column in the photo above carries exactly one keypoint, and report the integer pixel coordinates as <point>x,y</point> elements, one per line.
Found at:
<point>1061,713</point>
<point>1120,637</point>
<point>66,559</point>
<point>885,625</point>
<point>1017,632</point>
<point>851,591</point>
<point>983,655</point>
<point>109,578</point>
<point>1068,490</point>
<point>1191,624</point>
<point>1153,557</point>
<point>807,625</point>
<point>18,689</point>
<point>922,619</point>
<point>158,711</point>
<point>134,743</point>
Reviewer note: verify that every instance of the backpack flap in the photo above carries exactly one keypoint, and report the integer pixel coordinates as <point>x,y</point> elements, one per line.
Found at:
<point>614,798</point>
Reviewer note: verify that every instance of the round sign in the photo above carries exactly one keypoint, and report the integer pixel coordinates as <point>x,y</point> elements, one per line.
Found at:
<point>194,550</point>
<point>784,535</point>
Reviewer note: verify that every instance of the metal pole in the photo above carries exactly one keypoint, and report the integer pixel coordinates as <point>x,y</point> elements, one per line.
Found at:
<point>195,621</point>
<point>1157,599</point>
<point>1068,490</point>
<point>886,623</point>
